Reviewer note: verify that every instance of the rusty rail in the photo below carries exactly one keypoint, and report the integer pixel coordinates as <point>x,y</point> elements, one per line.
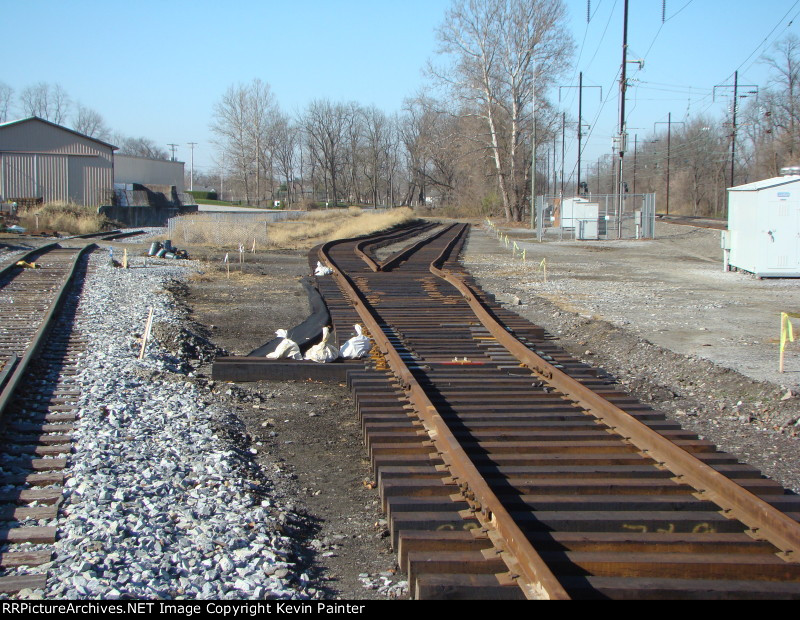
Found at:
<point>772,524</point>
<point>474,429</point>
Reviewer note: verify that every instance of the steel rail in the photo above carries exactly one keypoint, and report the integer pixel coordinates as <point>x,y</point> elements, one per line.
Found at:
<point>392,236</point>
<point>533,575</point>
<point>735,501</point>
<point>6,270</point>
<point>394,260</point>
<point>42,332</point>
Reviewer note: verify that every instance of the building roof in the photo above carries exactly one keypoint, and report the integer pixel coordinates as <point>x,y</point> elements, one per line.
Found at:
<point>41,120</point>
<point>765,184</point>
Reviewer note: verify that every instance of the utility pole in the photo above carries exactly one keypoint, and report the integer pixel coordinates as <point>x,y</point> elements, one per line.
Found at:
<point>622,138</point>
<point>598,176</point>
<point>733,133</point>
<point>623,85</point>
<point>173,147</point>
<point>563,148</point>
<point>753,91</point>
<point>191,174</point>
<point>580,88</point>
<point>580,113</point>
<point>533,149</point>
<point>669,125</point>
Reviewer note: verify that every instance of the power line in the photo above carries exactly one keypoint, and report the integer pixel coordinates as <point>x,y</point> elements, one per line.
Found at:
<point>765,38</point>
<point>790,22</point>
<point>678,11</point>
<point>602,38</point>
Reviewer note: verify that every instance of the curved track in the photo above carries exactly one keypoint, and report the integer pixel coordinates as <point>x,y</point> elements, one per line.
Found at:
<point>509,469</point>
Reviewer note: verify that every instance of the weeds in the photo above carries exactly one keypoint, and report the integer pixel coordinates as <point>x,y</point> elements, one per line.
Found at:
<point>64,217</point>
<point>305,232</point>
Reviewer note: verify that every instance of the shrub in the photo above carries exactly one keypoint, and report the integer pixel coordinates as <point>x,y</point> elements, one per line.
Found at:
<point>198,195</point>
<point>64,217</point>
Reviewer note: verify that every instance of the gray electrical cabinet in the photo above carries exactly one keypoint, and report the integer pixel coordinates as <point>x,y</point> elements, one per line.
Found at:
<point>763,235</point>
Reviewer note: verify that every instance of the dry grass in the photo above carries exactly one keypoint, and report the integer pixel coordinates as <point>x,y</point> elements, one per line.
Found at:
<point>311,229</point>
<point>64,217</point>
<point>321,226</point>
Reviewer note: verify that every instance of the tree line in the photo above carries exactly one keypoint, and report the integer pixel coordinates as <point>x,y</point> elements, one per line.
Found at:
<point>465,143</point>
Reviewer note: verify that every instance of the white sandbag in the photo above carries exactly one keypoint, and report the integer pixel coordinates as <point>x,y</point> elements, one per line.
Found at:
<point>357,347</point>
<point>322,270</point>
<point>286,348</point>
<point>324,351</point>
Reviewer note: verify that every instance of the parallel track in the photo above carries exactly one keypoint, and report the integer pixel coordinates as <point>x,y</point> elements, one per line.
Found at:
<point>509,469</point>
<point>39,351</point>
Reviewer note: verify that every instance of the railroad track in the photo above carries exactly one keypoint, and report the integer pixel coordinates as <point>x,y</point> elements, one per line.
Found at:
<point>38,354</point>
<point>509,469</point>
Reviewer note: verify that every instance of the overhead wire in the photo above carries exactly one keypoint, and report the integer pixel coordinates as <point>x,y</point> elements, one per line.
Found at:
<point>766,38</point>
<point>706,94</point>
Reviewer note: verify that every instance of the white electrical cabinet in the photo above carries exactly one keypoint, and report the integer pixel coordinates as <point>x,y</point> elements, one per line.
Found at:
<point>581,215</point>
<point>763,235</point>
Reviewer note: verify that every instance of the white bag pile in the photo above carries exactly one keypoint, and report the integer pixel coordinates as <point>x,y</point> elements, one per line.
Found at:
<point>286,348</point>
<point>324,351</point>
<point>357,347</point>
<point>322,270</point>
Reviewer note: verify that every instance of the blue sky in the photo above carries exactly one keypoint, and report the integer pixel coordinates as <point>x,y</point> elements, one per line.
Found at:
<point>156,68</point>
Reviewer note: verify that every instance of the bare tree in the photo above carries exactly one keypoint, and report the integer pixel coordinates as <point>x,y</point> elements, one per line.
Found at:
<point>355,151</point>
<point>504,55</point>
<point>6,92</point>
<point>377,134</point>
<point>286,139</point>
<point>326,125</point>
<point>699,154</point>
<point>243,123</point>
<point>442,159</point>
<point>139,147</point>
<point>49,102</point>
<point>262,113</point>
<point>230,124</point>
<point>90,123</point>
<point>782,98</point>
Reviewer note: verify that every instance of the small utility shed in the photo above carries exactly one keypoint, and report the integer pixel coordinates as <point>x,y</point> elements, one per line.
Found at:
<point>42,160</point>
<point>763,235</point>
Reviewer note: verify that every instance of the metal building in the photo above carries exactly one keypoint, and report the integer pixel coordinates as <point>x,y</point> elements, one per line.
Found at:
<point>130,169</point>
<point>43,161</point>
<point>763,235</point>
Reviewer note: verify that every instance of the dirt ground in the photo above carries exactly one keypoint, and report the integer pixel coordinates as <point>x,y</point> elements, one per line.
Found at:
<point>307,430</point>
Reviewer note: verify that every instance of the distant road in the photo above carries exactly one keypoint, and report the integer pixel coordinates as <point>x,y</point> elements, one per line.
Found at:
<point>220,208</point>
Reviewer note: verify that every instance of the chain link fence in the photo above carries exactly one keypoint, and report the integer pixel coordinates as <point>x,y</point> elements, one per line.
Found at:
<point>227,229</point>
<point>596,216</point>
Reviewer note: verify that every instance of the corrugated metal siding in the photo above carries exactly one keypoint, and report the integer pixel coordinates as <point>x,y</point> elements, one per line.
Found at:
<point>19,176</point>
<point>98,183</point>
<point>35,136</point>
<point>52,177</point>
<point>42,160</point>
